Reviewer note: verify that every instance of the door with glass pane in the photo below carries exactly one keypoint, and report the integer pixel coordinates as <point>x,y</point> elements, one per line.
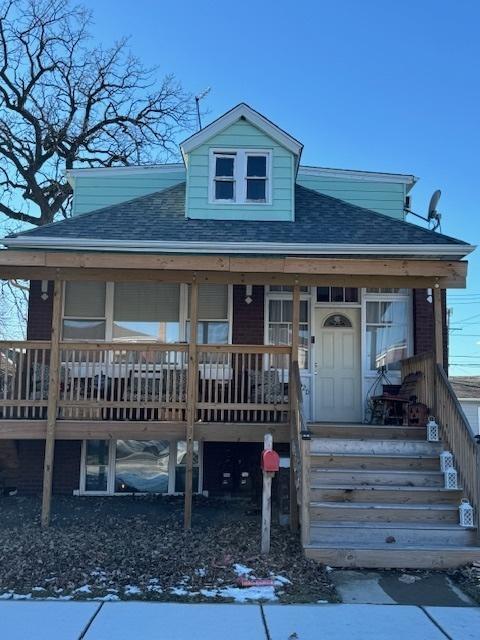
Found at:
<point>337,370</point>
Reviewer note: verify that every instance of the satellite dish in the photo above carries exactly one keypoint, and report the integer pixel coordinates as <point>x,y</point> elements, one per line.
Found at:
<point>432,207</point>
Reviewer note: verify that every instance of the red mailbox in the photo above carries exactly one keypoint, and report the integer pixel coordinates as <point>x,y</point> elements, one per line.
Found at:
<point>270,461</point>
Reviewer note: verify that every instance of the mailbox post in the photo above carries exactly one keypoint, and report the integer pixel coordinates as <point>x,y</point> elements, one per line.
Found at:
<point>270,463</point>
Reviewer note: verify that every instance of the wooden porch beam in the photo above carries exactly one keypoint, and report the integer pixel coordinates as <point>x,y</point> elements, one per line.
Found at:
<point>376,279</point>
<point>293,389</point>
<point>437,310</point>
<point>435,268</point>
<point>52,402</point>
<point>192,392</point>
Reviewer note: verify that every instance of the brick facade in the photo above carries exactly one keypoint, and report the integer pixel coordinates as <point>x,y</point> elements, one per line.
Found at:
<point>66,468</point>
<point>248,319</point>
<point>424,324</point>
<point>39,312</point>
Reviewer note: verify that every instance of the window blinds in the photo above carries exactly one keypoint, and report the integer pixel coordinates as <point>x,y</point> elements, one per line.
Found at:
<point>85,299</point>
<point>212,302</point>
<point>146,302</point>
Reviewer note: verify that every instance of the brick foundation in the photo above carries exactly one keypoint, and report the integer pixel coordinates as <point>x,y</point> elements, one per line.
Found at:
<point>66,467</point>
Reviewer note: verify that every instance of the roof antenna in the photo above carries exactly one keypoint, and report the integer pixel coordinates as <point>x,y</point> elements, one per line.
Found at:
<point>197,102</point>
<point>433,216</point>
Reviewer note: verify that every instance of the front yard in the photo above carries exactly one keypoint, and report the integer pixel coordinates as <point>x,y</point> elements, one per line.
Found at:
<point>136,548</point>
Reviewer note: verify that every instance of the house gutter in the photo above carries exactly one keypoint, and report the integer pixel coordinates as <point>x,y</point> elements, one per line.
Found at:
<point>271,248</point>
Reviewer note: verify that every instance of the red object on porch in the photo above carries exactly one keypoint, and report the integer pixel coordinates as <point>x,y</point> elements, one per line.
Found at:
<point>270,461</point>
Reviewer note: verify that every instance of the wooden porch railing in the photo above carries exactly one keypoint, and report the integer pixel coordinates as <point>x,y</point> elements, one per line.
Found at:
<point>437,393</point>
<point>299,459</point>
<point>24,368</point>
<point>146,381</point>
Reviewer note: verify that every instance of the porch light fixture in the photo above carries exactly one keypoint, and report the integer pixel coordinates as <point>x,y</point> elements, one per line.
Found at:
<point>446,461</point>
<point>44,290</point>
<point>465,511</point>
<point>432,430</point>
<point>248,294</point>
<point>451,478</point>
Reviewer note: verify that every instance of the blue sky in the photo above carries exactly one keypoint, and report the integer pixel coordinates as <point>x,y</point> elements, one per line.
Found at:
<point>373,85</point>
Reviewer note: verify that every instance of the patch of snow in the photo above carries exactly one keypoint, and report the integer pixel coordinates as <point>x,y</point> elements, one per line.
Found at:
<point>241,570</point>
<point>132,590</point>
<point>201,572</point>
<point>322,601</point>
<point>21,596</point>
<point>59,598</point>
<point>280,580</point>
<point>154,588</point>
<point>328,569</point>
<point>6,596</point>
<point>241,595</point>
<point>111,597</point>
<point>38,589</point>
<point>408,579</point>
<point>178,591</point>
<point>84,589</point>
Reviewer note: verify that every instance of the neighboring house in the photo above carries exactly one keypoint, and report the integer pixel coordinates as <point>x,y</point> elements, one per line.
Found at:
<point>184,310</point>
<point>467,390</point>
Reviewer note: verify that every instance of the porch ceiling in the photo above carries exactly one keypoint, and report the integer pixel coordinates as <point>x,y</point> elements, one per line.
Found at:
<point>48,265</point>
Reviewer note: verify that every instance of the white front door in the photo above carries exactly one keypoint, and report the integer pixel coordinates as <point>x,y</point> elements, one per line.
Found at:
<point>337,373</point>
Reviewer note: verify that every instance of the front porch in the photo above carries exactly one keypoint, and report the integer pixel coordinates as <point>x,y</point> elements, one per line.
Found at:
<point>188,391</point>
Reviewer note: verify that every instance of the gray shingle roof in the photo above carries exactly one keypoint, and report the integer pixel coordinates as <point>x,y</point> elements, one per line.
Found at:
<point>466,386</point>
<point>318,219</point>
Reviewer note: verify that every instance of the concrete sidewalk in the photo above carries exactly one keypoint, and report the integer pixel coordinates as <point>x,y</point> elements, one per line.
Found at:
<point>42,620</point>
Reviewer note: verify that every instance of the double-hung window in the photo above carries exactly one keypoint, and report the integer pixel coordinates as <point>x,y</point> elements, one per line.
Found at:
<point>213,316</point>
<point>280,326</point>
<point>84,311</point>
<point>240,177</point>
<point>256,178</point>
<point>224,180</point>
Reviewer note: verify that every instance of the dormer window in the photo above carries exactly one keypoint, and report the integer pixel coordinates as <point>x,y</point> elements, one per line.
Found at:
<point>240,176</point>
<point>225,177</point>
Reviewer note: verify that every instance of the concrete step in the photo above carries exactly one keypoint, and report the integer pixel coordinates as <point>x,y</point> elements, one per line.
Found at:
<point>375,447</point>
<point>370,512</point>
<point>359,477</point>
<point>362,461</point>
<point>393,556</point>
<point>379,432</point>
<point>379,494</point>
<point>391,534</point>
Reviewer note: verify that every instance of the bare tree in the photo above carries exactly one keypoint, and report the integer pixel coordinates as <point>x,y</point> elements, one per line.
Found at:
<point>66,102</point>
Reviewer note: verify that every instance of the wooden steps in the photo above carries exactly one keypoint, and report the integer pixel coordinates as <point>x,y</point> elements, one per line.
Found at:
<point>386,494</point>
<point>403,533</point>
<point>390,556</point>
<point>363,461</point>
<point>377,499</point>
<point>373,512</point>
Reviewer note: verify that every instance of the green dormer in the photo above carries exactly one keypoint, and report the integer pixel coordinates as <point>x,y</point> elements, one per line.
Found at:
<point>241,167</point>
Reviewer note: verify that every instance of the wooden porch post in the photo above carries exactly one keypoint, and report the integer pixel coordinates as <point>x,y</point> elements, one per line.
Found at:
<point>52,402</point>
<point>293,389</point>
<point>192,392</point>
<point>437,310</point>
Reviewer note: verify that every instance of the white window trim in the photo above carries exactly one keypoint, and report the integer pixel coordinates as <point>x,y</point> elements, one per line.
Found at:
<point>110,491</point>
<point>239,176</point>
